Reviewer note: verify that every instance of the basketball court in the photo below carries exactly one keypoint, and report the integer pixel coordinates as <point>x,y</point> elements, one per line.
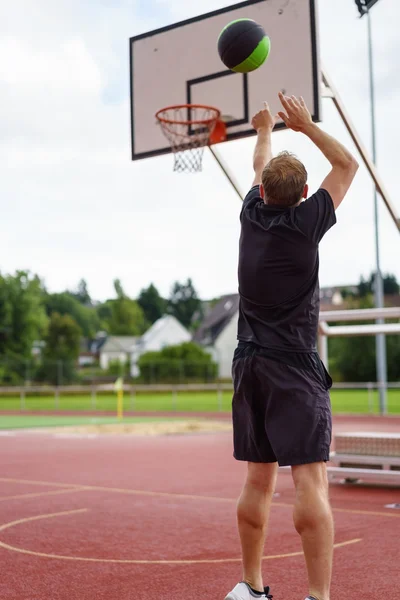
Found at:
<point>135,517</point>
<point>123,517</point>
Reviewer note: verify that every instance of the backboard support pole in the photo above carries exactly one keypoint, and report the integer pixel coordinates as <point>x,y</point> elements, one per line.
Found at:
<point>226,171</point>
<point>331,92</point>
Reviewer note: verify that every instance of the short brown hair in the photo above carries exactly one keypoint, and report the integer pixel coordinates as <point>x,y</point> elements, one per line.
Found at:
<point>283,180</point>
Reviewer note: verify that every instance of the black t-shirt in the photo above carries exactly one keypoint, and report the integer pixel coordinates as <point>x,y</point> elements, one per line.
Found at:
<point>278,271</point>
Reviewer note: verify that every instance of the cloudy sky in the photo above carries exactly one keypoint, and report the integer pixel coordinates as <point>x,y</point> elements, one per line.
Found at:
<point>74,204</point>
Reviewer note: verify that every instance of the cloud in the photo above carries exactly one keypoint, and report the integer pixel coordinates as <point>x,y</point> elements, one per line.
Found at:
<point>74,204</point>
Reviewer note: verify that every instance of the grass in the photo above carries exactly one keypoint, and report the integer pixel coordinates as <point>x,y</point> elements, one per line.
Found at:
<point>343,401</point>
<point>32,421</point>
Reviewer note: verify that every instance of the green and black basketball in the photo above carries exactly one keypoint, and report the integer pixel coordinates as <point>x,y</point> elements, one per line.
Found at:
<point>243,45</point>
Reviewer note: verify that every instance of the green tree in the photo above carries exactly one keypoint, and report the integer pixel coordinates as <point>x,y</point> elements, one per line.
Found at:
<point>390,285</point>
<point>119,289</point>
<point>152,304</point>
<point>82,293</point>
<point>126,317</point>
<point>122,315</point>
<point>62,349</point>
<point>393,357</point>
<point>184,302</point>
<point>104,314</point>
<point>22,321</point>
<point>66,304</point>
<point>364,287</point>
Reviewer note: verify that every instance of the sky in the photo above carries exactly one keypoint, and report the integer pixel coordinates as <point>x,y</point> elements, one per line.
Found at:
<point>75,206</point>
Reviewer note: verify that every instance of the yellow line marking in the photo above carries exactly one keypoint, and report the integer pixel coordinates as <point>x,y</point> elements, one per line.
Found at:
<point>38,494</point>
<point>39,517</point>
<point>129,561</point>
<point>183,496</point>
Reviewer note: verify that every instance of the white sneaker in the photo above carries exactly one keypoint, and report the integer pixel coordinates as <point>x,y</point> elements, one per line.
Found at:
<point>242,591</point>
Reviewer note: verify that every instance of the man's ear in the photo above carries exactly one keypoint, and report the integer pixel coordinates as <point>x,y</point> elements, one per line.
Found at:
<point>305,192</point>
<point>262,193</point>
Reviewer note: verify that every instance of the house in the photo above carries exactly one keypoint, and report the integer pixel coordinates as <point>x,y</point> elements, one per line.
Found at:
<point>37,348</point>
<point>167,331</point>
<point>336,297</point>
<point>330,296</point>
<point>97,343</point>
<point>85,357</point>
<point>116,348</point>
<point>218,332</point>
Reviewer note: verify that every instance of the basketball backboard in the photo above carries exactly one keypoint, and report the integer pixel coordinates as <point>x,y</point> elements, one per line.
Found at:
<point>179,64</point>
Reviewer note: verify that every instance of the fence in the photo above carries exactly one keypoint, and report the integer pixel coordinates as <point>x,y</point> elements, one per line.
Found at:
<point>16,371</point>
<point>354,398</point>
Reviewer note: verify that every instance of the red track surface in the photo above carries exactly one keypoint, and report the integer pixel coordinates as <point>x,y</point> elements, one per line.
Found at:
<point>167,499</point>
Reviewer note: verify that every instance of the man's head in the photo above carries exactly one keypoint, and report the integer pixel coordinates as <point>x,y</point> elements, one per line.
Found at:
<point>284,181</point>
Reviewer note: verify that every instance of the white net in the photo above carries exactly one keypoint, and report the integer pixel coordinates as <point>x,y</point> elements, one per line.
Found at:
<point>188,130</point>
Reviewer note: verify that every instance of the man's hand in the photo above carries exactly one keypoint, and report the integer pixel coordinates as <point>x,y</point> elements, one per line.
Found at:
<point>297,116</point>
<point>264,119</point>
<point>344,165</point>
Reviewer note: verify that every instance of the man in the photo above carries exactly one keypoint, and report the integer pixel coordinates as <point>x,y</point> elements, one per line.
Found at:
<point>281,407</point>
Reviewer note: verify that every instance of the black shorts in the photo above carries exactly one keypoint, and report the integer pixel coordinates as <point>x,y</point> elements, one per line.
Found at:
<point>281,406</point>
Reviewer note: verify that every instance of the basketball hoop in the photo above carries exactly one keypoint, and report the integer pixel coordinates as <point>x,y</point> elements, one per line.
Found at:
<point>189,128</point>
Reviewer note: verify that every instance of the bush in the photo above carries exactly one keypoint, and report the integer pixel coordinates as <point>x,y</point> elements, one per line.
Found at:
<point>177,364</point>
<point>118,369</point>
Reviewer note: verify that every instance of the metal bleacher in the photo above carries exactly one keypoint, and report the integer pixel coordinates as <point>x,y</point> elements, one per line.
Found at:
<point>364,457</point>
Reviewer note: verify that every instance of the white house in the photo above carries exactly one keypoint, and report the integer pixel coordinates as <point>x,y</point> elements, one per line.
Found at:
<point>116,348</point>
<point>218,333</point>
<point>167,331</point>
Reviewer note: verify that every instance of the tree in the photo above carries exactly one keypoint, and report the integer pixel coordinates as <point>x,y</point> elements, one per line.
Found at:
<point>82,293</point>
<point>126,317</point>
<point>364,287</point>
<point>104,314</point>
<point>22,318</point>
<point>390,285</point>
<point>152,304</point>
<point>184,302</point>
<point>66,304</point>
<point>62,349</point>
<point>121,315</point>
<point>119,289</point>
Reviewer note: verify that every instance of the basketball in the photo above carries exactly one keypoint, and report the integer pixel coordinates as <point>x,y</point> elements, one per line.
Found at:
<point>243,45</point>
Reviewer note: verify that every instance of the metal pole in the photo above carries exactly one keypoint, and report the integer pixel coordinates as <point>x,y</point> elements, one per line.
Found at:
<point>323,349</point>
<point>225,169</point>
<point>381,363</point>
<point>331,92</point>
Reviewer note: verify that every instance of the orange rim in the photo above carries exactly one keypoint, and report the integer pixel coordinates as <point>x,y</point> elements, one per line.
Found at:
<point>170,121</point>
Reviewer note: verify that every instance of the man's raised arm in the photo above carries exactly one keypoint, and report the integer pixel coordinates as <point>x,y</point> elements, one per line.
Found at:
<point>263,122</point>
<point>344,165</point>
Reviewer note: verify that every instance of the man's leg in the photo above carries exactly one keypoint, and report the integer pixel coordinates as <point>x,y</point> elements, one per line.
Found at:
<point>252,517</point>
<point>314,522</point>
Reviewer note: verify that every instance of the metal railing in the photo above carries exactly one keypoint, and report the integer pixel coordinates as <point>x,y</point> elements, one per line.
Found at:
<point>199,397</point>
<point>366,314</point>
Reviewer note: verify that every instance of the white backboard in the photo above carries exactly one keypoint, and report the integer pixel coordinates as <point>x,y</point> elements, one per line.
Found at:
<point>179,64</point>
